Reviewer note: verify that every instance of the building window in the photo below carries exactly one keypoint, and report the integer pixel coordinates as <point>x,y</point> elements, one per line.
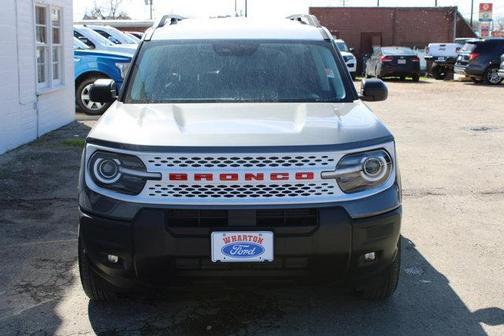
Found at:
<point>49,46</point>
<point>42,45</point>
<point>56,44</point>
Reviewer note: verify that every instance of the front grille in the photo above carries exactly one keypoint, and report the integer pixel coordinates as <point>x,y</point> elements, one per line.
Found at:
<point>227,218</point>
<point>241,191</point>
<point>251,161</point>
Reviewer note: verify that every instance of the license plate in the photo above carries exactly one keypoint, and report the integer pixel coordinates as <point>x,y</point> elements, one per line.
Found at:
<point>243,246</point>
<point>441,59</point>
<point>401,61</point>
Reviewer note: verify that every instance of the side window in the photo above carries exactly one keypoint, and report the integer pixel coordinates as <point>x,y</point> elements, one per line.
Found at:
<point>41,41</point>
<point>49,46</point>
<point>84,39</point>
<point>57,47</point>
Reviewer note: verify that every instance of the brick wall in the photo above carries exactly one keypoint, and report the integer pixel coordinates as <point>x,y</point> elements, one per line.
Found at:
<point>413,27</point>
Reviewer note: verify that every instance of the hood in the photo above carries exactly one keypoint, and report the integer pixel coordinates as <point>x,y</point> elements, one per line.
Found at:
<point>238,124</point>
<point>128,49</point>
<point>102,53</point>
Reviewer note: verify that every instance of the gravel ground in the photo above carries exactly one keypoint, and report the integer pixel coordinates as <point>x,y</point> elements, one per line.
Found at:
<point>451,147</point>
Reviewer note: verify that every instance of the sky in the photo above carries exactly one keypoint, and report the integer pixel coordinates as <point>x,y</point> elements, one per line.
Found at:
<point>267,8</point>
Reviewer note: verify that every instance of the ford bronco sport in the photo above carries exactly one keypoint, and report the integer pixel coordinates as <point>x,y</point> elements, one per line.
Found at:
<point>238,149</point>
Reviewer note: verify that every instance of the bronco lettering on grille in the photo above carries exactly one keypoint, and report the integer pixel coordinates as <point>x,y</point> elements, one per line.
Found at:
<point>299,176</point>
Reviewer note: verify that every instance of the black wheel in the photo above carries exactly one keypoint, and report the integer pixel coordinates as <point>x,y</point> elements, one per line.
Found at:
<point>403,78</point>
<point>415,78</point>
<point>388,281</point>
<point>82,97</point>
<point>353,75</point>
<point>491,76</point>
<point>95,288</point>
<point>438,73</point>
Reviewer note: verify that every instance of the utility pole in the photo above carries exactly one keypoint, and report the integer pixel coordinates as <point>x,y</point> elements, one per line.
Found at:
<point>435,3</point>
<point>377,3</point>
<point>236,9</point>
<point>246,8</point>
<point>149,2</point>
<point>472,12</point>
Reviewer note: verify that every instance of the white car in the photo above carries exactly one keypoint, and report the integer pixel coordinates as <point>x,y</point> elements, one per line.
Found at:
<point>238,149</point>
<point>114,35</point>
<point>95,41</point>
<point>348,57</point>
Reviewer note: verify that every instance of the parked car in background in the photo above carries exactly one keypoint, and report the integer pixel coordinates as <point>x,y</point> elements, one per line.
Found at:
<point>134,37</point>
<point>441,58</point>
<point>137,34</point>
<point>113,34</point>
<point>501,69</point>
<point>480,60</point>
<point>95,41</point>
<point>90,65</point>
<point>393,62</point>
<point>348,57</point>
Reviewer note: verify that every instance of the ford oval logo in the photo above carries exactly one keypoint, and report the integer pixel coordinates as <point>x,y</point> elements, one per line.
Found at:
<point>242,250</point>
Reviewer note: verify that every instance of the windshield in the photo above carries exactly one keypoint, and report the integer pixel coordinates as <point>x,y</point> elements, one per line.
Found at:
<point>128,38</point>
<point>94,35</point>
<point>77,44</point>
<point>398,51</point>
<point>341,46</point>
<point>235,71</point>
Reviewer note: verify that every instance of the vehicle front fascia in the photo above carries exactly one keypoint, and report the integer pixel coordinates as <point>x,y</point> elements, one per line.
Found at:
<point>366,203</point>
<point>350,96</point>
<point>101,62</point>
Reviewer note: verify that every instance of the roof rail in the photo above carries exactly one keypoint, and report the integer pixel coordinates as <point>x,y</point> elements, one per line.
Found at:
<point>161,22</point>
<point>305,19</point>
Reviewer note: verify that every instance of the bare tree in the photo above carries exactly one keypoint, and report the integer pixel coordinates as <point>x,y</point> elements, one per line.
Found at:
<point>106,9</point>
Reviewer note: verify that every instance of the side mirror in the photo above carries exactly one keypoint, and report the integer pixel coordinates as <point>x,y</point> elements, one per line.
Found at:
<point>373,90</point>
<point>103,91</point>
<point>351,50</point>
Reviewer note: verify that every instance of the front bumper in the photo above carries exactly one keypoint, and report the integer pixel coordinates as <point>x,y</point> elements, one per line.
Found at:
<point>154,251</point>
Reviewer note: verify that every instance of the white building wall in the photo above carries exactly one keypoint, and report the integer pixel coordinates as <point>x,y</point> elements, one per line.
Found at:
<point>26,113</point>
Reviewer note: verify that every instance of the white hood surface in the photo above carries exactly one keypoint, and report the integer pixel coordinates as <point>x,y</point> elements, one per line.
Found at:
<point>238,124</point>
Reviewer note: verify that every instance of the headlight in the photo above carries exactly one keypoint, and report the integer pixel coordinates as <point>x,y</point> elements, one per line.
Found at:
<point>123,68</point>
<point>122,173</point>
<point>361,171</point>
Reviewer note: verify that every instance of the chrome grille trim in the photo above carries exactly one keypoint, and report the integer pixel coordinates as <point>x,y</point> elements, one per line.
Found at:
<point>235,161</point>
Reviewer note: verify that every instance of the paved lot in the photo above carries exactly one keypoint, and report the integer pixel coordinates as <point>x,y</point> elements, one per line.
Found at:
<point>451,148</point>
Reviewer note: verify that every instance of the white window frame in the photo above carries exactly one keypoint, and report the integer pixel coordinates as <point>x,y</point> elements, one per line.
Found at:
<point>50,82</point>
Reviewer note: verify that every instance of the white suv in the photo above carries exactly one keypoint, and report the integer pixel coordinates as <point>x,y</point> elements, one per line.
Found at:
<point>238,149</point>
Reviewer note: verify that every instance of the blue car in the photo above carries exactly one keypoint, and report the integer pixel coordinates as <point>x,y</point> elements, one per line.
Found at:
<point>90,65</point>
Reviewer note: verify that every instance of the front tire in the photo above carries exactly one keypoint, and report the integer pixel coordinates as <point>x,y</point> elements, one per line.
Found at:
<point>415,78</point>
<point>85,104</point>
<point>95,288</point>
<point>388,281</point>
